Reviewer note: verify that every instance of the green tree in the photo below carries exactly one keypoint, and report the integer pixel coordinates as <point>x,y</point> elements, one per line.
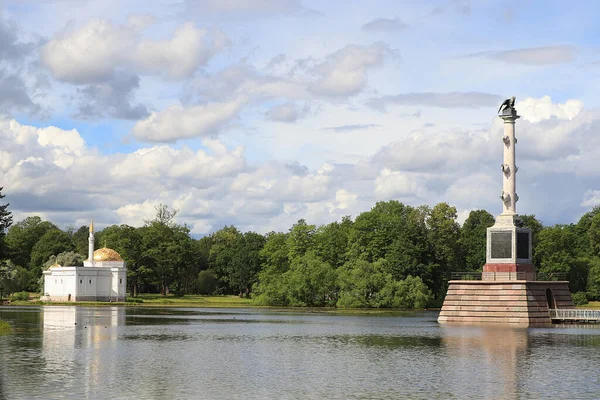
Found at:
<point>270,289</point>
<point>207,282</point>
<point>556,249</point>
<point>65,259</point>
<point>80,239</point>
<point>242,271</point>
<point>331,242</point>
<point>5,223</point>
<point>593,281</point>
<point>444,236</point>
<point>166,249</point>
<point>310,282</point>
<point>22,237</point>
<point>221,254</point>
<point>53,242</point>
<point>531,222</point>
<point>360,283</point>
<point>473,238</point>
<point>410,292</point>
<point>594,234</point>
<point>300,239</point>
<point>127,241</point>
<point>584,246</point>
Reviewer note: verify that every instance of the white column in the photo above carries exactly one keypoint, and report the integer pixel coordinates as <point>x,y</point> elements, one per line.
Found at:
<point>509,168</point>
<point>91,244</point>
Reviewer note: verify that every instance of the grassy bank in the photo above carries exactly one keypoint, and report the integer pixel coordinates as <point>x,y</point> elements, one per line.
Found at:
<point>157,300</point>
<point>4,327</point>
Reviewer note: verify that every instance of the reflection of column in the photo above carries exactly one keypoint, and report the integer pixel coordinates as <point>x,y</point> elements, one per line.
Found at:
<point>493,352</point>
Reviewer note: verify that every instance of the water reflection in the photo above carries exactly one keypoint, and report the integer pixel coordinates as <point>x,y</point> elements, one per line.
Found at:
<point>104,353</point>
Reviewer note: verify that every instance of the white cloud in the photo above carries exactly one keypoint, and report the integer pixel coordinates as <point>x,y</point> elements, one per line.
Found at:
<point>591,198</point>
<point>536,110</point>
<point>178,122</point>
<point>394,184</point>
<point>344,73</point>
<point>287,112</point>
<point>92,53</point>
<point>180,56</point>
<point>385,25</point>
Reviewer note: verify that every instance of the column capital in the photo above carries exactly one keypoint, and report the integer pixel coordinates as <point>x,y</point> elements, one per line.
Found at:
<point>509,115</point>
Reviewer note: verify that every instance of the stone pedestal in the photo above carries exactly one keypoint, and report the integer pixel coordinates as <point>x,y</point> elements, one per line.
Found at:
<point>522,303</point>
<point>508,250</point>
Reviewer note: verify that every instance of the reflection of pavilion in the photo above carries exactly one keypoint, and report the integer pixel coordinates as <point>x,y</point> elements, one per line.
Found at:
<point>74,339</point>
<point>489,357</point>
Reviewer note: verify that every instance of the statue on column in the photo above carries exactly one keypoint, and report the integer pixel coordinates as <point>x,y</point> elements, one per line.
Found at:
<point>508,104</point>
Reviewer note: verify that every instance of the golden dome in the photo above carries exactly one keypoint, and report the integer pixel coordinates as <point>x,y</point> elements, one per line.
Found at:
<point>106,254</point>
<point>55,265</point>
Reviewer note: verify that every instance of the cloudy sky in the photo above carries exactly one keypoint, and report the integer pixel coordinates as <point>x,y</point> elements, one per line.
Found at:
<point>261,112</point>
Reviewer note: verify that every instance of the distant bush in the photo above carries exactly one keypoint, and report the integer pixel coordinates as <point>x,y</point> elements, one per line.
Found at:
<point>133,300</point>
<point>19,296</point>
<point>580,298</point>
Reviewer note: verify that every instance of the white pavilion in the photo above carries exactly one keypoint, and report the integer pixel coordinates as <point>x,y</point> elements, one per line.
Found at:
<point>103,277</point>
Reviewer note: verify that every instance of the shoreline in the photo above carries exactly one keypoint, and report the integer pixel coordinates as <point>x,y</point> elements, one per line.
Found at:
<point>211,302</point>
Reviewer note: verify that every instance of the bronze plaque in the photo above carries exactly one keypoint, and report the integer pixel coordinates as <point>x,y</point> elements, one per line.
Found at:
<point>523,245</point>
<point>501,244</point>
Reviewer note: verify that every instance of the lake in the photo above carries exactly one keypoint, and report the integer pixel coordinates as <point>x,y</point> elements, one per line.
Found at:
<point>155,353</point>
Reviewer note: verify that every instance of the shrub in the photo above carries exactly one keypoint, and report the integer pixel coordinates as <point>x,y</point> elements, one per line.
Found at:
<point>20,296</point>
<point>580,298</point>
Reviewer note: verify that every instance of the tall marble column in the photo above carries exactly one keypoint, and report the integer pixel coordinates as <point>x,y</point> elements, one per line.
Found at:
<point>508,250</point>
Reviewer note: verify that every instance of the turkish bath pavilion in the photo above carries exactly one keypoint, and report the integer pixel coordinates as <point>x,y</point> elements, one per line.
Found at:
<point>103,277</point>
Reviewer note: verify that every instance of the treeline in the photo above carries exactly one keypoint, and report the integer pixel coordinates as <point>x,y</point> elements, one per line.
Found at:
<point>394,255</point>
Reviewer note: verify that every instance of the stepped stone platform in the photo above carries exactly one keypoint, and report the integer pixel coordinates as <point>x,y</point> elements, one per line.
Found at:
<point>518,302</point>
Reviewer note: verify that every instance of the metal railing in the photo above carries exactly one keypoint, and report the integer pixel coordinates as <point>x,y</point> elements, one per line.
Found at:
<point>575,314</point>
<point>506,276</point>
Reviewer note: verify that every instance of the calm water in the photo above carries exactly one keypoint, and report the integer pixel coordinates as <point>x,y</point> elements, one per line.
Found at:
<point>112,353</point>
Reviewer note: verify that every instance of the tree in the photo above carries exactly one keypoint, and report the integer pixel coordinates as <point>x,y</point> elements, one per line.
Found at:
<point>473,238</point>
<point>531,222</point>
<point>360,283</point>
<point>222,253</point>
<point>126,240</point>
<point>22,236</point>
<point>65,259</point>
<point>270,289</point>
<point>556,249</point>
<point>245,263</point>
<point>584,245</point>
<point>300,239</point>
<point>444,235</point>
<point>331,242</point>
<point>5,223</point>
<point>80,239</point>
<point>53,242</point>
<point>594,234</point>
<point>207,281</point>
<point>310,282</point>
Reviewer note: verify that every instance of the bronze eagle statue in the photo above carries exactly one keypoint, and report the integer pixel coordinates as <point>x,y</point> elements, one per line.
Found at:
<point>508,103</point>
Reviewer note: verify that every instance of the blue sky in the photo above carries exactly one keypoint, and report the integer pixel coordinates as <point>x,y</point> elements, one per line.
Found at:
<point>261,112</point>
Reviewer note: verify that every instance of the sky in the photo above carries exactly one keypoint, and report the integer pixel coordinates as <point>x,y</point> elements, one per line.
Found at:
<point>258,113</point>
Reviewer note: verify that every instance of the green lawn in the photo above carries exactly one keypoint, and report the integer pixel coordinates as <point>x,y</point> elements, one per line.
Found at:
<point>591,304</point>
<point>194,300</point>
